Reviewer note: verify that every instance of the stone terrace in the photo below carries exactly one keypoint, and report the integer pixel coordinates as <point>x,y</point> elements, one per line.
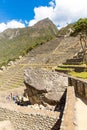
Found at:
<point>23,118</point>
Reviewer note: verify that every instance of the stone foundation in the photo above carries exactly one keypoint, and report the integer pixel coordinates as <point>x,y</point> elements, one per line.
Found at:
<point>23,118</point>
<point>80,86</point>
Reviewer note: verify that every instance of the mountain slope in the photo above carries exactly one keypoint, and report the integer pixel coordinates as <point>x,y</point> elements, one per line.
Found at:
<point>15,42</point>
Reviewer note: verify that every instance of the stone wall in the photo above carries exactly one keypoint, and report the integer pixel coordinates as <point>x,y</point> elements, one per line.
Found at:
<point>23,118</point>
<point>69,110</point>
<point>80,86</point>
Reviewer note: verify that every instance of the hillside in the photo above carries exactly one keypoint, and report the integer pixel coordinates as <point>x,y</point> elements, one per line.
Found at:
<point>15,42</point>
<point>59,46</point>
<point>48,55</point>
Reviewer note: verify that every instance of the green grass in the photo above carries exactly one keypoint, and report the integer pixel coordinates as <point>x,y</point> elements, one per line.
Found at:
<point>82,75</point>
<point>79,75</point>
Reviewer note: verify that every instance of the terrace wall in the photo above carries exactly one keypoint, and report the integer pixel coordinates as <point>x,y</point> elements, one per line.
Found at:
<point>80,86</point>
<point>28,119</point>
<point>69,110</point>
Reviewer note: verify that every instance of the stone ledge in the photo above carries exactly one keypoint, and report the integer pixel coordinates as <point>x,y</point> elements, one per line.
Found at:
<point>80,86</point>
<point>68,114</point>
<point>28,119</point>
<point>29,111</point>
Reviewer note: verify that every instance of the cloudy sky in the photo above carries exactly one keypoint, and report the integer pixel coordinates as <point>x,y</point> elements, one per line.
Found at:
<point>22,13</point>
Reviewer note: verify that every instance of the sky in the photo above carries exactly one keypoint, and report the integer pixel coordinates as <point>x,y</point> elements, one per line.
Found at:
<point>24,13</point>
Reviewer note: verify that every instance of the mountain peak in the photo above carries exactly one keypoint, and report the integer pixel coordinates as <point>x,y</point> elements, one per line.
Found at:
<point>43,22</point>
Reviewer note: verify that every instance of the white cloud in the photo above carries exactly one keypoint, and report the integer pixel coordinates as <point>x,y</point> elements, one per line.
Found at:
<point>61,12</point>
<point>2,27</point>
<point>40,13</point>
<point>32,22</point>
<point>11,24</point>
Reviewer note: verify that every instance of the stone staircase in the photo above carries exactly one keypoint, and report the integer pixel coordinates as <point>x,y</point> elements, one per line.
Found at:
<point>76,60</point>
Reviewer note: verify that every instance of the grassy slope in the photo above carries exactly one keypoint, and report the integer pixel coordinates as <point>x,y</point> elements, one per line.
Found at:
<point>79,75</point>
<point>27,39</point>
<point>72,72</point>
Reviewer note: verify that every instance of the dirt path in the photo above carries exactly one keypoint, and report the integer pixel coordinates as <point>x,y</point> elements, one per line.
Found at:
<point>81,114</point>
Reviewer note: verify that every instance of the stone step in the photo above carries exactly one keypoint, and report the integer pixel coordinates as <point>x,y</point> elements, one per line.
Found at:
<point>9,85</point>
<point>17,79</point>
<point>72,63</point>
<point>74,60</point>
<point>14,82</point>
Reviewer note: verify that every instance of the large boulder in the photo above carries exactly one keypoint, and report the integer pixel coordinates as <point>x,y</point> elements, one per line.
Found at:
<point>43,86</point>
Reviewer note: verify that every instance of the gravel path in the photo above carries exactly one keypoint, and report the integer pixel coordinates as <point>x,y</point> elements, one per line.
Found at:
<point>81,114</point>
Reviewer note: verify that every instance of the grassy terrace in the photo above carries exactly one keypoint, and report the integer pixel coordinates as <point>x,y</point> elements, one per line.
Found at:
<point>71,66</point>
<point>79,75</point>
<point>70,70</point>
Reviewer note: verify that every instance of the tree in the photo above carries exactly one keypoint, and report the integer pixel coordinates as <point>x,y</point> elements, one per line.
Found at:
<point>83,42</point>
<point>80,28</point>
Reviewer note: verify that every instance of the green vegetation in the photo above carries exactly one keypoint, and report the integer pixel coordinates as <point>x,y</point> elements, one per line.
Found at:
<point>80,27</point>
<point>70,70</point>
<point>79,75</point>
<point>15,42</point>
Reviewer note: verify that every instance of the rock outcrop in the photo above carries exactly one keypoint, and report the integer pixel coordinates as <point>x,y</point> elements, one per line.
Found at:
<point>43,86</point>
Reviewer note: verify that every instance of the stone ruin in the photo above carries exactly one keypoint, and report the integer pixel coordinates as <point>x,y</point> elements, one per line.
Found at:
<point>46,91</point>
<point>44,87</point>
